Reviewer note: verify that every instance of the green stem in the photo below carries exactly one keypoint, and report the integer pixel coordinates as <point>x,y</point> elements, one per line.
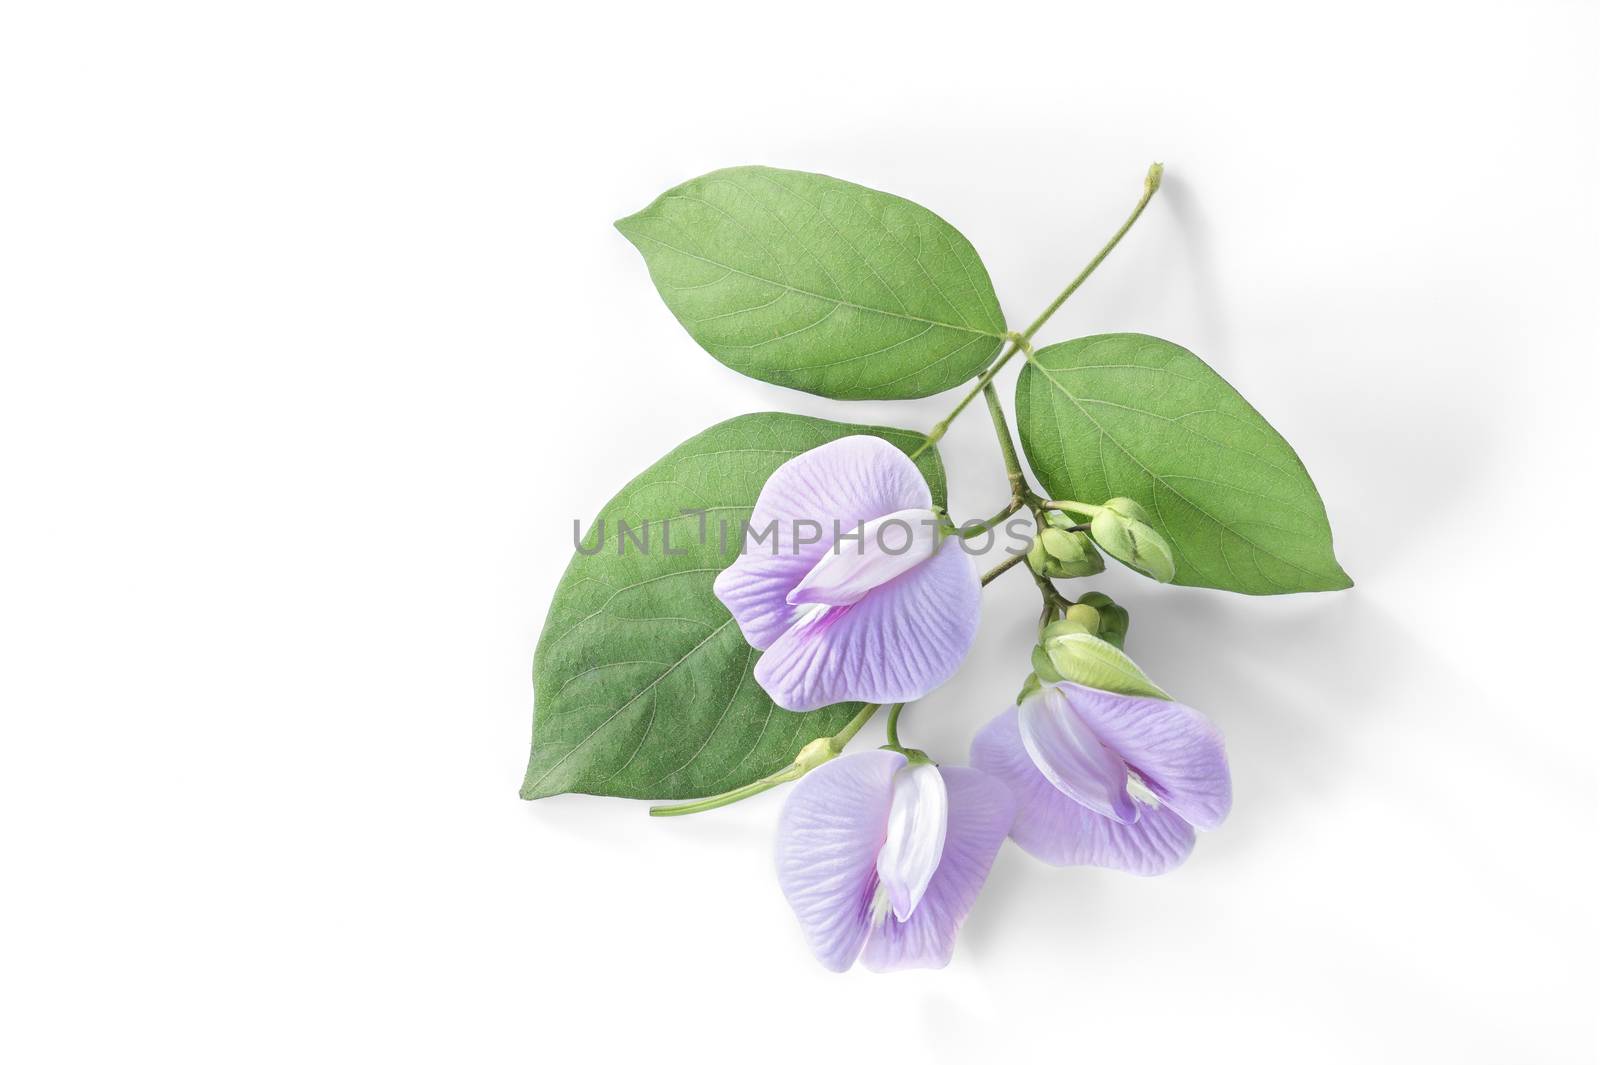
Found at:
<point>892,729</point>
<point>1008,449</point>
<point>1073,505</point>
<point>848,733</point>
<point>793,771</point>
<point>727,798</point>
<point>938,430</point>
<point>1152,182</point>
<point>1011,560</point>
<point>968,531</point>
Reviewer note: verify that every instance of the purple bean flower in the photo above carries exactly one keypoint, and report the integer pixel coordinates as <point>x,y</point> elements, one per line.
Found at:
<point>1105,779</point>
<point>882,859</point>
<point>852,591</point>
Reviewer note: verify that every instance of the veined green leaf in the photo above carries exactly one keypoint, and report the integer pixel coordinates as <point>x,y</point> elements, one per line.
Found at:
<point>642,680</point>
<point>1132,415</point>
<point>817,284</point>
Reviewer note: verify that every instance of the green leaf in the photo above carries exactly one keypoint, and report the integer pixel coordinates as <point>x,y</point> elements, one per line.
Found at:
<point>642,679</point>
<point>1094,663</point>
<point>817,284</point>
<point>1132,415</point>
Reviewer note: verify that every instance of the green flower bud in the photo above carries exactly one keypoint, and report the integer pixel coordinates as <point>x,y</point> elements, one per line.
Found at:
<point>1087,616</point>
<point>1038,558</point>
<point>1043,667</point>
<point>1067,554</point>
<point>1121,529</point>
<point>1094,663</point>
<point>1098,600</point>
<point>815,753</point>
<point>1131,509</point>
<point>1113,625</point>
<point>1061,628</point>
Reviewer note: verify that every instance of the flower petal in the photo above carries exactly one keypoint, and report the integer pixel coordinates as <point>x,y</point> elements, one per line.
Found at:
<point>917,821</point>
<point>829,834</point>
<point>901,641</point>
<point>1176,751</point>
<point>980,813</point>
<point>851,480</point>
<point>1058,830</point>
<point>861,559</point>
<point>1072,757</point>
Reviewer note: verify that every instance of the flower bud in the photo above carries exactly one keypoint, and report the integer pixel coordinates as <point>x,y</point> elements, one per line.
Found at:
<point>1079,618</point>
<point>1043,668</point>
<point>1067,554</point>
<point>1094,663</point>
<point>1082,614</point>
<point>1124,507</point>
<point>816,752</point>
<point>1119,527</point>
<point>1113,625</point>
<point>1098,600</point>
<point>1038,557</point>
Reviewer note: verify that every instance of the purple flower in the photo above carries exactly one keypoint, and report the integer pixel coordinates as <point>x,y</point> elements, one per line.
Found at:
<point>882,859</point>
<point>1105,779</point>
<point>854,594</point>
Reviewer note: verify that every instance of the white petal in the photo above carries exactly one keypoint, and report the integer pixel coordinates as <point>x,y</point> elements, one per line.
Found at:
<point>1072,757</point>
<point>863,558</point>
<point>918,816</point>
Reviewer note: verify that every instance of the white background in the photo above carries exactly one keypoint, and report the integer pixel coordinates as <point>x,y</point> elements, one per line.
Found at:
<point>316,336</point>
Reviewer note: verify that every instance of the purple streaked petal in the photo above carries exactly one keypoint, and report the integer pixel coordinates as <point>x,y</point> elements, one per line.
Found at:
<point>918,817</point>
<point>1072,758</point>
<point>860,560</point>
<point>901,641</point>
<point>849,481</point>
<point>1176,751</point>
<point>1058,830</point>
<point>829,834</point>
<point>980,813</point>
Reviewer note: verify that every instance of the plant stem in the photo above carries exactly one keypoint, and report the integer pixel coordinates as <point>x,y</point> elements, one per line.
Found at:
<point>967,532</point>
<point>892,729</point>
<point>1152,182</point>
<point>1090,509</point>
<point>848,733</point>
<point>793,771</point>
<point>938,430</point>
<point>1011,560</point>
<point>1008,449</point>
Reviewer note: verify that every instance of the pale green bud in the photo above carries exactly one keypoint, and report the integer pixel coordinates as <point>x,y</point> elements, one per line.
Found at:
<point>1094,663</point>
<point>1121,529</point>
<point>1038,558</point>
<point>1098,600</point>
<point>815,753</point>
<point>1081,614</point>
<point>1127,508</point>
<point>1060,628</point>
<point>1067,554</point>
<point>1043,667</point>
